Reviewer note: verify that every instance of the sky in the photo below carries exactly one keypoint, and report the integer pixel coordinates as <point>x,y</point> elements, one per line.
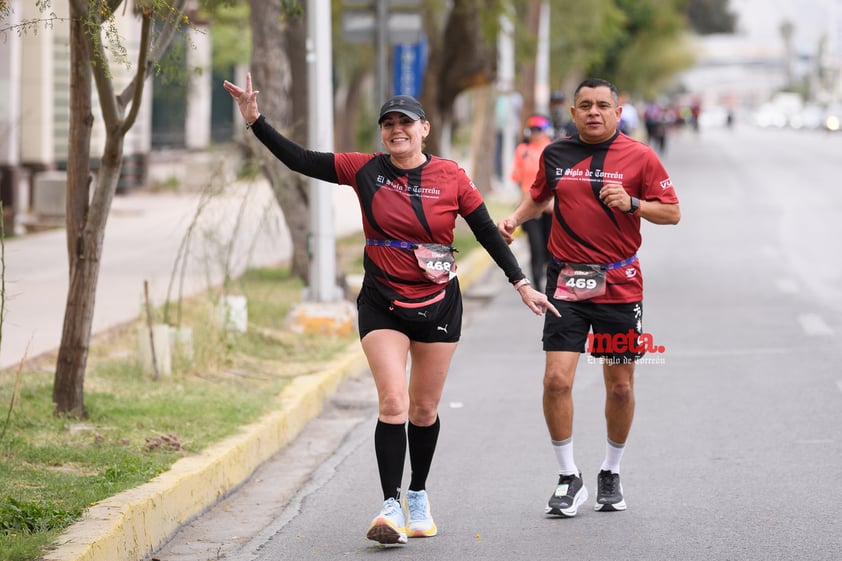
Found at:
<point>747,64</point>
<point>759,22</point>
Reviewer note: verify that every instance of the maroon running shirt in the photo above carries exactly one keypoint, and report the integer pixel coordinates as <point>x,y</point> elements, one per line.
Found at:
<point>416,205</point>
<point>584,230</point>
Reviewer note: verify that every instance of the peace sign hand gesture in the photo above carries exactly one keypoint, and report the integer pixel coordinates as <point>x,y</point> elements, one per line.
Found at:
<point>246,99</point>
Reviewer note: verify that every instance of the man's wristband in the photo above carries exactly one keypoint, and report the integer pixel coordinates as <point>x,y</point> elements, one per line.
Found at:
<point>634,203</point>
<point>522,282</point>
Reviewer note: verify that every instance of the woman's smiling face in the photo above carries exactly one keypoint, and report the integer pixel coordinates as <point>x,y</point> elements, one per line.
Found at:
<point>402,136</point>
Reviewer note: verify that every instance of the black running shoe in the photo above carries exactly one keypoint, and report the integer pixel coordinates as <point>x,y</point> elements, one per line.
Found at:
<point>609,492</point>
<point>569,494</point>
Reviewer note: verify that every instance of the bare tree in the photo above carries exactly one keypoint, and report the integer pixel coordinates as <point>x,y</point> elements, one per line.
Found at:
<point>88,205</point>
<point>282,79</point>
<point>462,55</point>
<point>528,72</point>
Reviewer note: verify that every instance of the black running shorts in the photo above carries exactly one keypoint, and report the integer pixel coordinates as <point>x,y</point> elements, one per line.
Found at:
<point>609,331</point>
<point>438,323</point>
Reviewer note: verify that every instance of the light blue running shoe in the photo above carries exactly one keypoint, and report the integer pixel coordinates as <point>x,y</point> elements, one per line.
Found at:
<point>421,523</point>
<point>390,525</point>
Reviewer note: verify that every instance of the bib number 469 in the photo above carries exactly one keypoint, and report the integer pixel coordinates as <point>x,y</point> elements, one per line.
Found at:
<point>580,283</point>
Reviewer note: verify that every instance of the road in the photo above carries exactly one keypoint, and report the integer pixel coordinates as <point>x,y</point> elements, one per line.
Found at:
<point>735,453</point>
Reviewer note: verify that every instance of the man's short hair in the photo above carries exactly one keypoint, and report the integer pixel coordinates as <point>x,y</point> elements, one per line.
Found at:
<point>598,83</point>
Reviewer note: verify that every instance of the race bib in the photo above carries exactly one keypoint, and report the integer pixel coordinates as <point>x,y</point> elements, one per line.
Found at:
<point>437,261</point>
<point>578,281</point>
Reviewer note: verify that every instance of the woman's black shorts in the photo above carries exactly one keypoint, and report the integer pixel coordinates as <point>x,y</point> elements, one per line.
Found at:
<point>435,323</point>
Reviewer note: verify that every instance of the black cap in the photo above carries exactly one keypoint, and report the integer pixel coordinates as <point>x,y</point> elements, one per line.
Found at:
<point>405,104</point>
<point>558,96</point>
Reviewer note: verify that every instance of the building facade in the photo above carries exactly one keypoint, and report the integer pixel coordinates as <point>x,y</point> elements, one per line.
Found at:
<point>35,110</point>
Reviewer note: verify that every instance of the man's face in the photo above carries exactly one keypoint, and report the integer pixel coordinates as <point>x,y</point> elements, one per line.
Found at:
<point>596,114</point>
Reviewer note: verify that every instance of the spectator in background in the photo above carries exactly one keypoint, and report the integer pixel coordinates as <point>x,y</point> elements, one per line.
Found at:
<point>695,113</point>
<point>524,168</point>
<point>629,120</point>
<point>506,120</point>
<point>656,126</point>
<point>560,114</point>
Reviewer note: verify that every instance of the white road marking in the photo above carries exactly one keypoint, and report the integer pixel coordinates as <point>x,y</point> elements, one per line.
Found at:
<point>813,324</point>
<point>839,385</point>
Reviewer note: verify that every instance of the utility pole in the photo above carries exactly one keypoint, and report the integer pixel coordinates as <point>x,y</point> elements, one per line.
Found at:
<point>324,310</point>
<point>506,90</point>
<point>382,48</point>
<point>320,123</point>
<point>542,62</point>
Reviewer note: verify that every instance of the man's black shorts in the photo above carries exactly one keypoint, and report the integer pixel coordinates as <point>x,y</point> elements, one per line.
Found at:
<point>441,322</point>
<point>608,331</point>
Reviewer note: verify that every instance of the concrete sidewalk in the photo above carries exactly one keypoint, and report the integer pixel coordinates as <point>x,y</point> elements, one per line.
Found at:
<point>143,235</point>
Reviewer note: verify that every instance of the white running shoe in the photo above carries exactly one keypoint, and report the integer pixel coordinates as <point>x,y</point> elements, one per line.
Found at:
<point>390,525</point>
<point>421,523</point>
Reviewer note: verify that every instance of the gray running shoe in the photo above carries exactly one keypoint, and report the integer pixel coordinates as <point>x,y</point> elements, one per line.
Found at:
<point>569,494</point>
<point>609,492</point>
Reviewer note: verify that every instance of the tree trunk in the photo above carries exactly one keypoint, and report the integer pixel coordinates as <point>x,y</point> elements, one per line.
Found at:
<point>462,56</point>
<point>430,87</point>
<point>68,384</point>
<point>482,140</point>
<point>272,75</point>
<point>295,46</point>
<point>346,111</point>
<point>87,215</point>
<point>528,76</point>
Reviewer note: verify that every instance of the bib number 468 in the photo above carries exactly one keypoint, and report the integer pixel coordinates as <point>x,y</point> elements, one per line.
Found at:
<point>439,265</point>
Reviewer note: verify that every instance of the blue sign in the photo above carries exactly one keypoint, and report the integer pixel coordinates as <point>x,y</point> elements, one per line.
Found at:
<point>409,62</point>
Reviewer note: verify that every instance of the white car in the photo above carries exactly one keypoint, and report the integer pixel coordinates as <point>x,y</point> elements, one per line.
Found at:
<point>833,119</point>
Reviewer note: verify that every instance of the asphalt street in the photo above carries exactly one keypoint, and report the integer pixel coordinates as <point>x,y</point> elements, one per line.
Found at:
<point>735,453</point>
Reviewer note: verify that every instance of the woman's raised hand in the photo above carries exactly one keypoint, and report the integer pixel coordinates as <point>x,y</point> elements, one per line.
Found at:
<point>246,99</point>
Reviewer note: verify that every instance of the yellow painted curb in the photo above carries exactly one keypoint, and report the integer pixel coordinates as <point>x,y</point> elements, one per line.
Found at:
<point>472,267</point>
<point>134,523</point>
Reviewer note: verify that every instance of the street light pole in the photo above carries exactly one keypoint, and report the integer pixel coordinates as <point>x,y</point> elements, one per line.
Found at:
<point>542,62</point>
<point>382,22</point>
<point>320,122</point>
<point>324,310</point>
<point>506,89</point>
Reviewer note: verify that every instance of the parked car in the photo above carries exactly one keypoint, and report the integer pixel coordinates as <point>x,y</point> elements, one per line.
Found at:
<point>811,117</point>
<point>833,118</point>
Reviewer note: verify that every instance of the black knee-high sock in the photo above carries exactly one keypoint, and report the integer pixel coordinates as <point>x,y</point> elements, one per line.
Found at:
<point>390,449</point>
<point>422,446</point>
